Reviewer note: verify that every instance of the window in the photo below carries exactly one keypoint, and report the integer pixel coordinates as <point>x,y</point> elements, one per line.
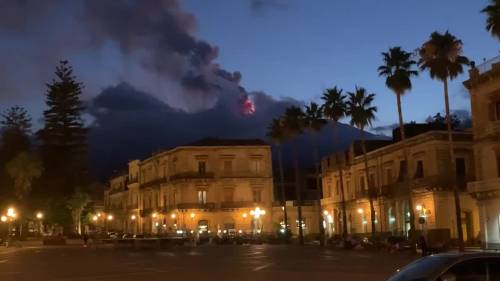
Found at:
<point>362,183</point>
<point>228,166</point>
<point>474,270</point>
<point>257,195</point>
<point>256,166</point>
<point>402,170</point>
<point>419,172</point>
<point>460,167</point>
<point>202,167</point>
<point>165,200</point>
<point>388,176</point>
<point>337,189</point>
<point>372,180</point>
<point>202,196</point>
<point>228,194</point>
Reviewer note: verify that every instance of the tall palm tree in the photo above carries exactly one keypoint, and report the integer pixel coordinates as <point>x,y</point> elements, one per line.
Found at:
<point>293,121</point>
<point>276,132</point>
<point>398,70</point>
<point>442,56</point>
<point>362,113</point>
<point>334,108</point>
<point>493,18</point>
<point>314,122</point>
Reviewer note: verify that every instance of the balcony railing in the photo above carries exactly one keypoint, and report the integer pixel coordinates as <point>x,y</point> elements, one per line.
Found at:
<point>154,182</point>
<point>192,175</point>
<point>484,186</point>
<point>235,205</point>
<point>184,206</point>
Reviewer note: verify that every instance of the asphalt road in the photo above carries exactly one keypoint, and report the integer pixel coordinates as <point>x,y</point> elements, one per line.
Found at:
<point>221,263</point>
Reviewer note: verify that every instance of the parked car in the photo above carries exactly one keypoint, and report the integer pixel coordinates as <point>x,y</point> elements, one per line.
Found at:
<point>452,267</point>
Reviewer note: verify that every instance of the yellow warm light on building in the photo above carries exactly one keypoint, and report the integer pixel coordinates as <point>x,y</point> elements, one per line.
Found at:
<point>99,214</point>
<point>192,215</point>
<point>244,215</point>
<point>3,218</point>
<point>154,215</point>
<point>39,215</point>
<point>419,207</point>
<point>360,211</point>
<point>110,217</point>
<point>11,212</point>
<point>94,218</point>
<point>173,216</point>
<point>325,212</point>
<point>133,217</point>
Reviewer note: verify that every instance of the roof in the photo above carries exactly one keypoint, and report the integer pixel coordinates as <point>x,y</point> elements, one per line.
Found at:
<point>227,142</point>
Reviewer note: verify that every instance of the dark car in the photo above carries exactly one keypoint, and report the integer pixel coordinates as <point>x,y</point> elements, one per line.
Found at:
<point>452,267</point>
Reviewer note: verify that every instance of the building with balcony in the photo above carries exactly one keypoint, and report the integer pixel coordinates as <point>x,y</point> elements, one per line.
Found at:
<point>212,185</point>
<point>484,89</point>
<point>427,174</point>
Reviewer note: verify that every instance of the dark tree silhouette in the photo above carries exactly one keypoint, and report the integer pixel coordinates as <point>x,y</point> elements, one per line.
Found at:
<point>63,138</point>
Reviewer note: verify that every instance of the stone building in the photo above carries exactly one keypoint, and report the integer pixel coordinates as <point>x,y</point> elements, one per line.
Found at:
<point>212,185</point>
<point>428,175</point>
<point>484,89</point>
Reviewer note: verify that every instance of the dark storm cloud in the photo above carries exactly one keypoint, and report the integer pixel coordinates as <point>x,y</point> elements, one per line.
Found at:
<point>150,44</point>
<point>131,124</point>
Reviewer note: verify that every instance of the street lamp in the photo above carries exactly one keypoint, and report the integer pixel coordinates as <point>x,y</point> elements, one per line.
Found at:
<point>110,217</point>
<point>173,215</point>
<point>419,207</point>
<point>154,215</point>
<point>192,215</point>
<point>95,218</point>
<point>133,217</point>
<point>257,213</point>
<point>39,215</point>
<point>11,212</point>
<point>3,218</point>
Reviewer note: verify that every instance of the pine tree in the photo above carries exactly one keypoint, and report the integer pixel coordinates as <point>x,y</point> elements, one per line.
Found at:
<point>63,138</point>
<point>16,138</point>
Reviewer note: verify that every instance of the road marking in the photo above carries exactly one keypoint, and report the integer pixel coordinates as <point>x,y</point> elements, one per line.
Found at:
<point>259,268</point>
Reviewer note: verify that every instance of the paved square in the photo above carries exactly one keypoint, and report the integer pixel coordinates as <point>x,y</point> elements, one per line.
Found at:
<point>232,263</point>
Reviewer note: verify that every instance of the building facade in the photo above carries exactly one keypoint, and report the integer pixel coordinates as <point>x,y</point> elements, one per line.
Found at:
<point>484,89</point>
<point>428,175</point>
<point>211,185</point>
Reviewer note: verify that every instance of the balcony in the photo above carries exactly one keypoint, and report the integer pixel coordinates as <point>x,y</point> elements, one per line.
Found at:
<point>490,185</point>
<point>236,205</point>
<point>185,206</point>
<point>155,182</point>
<point>192,175</point>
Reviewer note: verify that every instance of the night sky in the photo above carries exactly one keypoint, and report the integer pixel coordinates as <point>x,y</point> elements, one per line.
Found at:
<point>286,48</point>
<point>162,73</point>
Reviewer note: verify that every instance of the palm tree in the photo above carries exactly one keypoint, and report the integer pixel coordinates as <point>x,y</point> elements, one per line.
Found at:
<point>442,56</point>
<point>314,122</point>
<point>276,132</point>
<point>293,121</point>
<point>493,21</point>
<point>334,108</point>
<point>397,69</point>
<point>359,107</point>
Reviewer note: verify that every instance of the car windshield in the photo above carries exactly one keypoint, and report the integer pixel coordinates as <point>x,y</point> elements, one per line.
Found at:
<point>421,269</point>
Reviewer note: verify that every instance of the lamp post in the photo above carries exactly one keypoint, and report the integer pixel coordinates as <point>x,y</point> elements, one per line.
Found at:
<point>361,212</point>
<point>257,223</point>
<point>39,216</point>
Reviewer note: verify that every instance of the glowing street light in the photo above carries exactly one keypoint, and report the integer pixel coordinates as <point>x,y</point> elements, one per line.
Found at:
<point>325,212</point>
<point>133,217</point>
<point>3,218</point>
<point>192,215</point>
<point>360,211</point>
<point>244,215</point>
<point>154,215</point>
<point>95,218</point>
<point>11,212</point>
<point>99,214</point>
<point>39,215</point>
<point>257,212</point>
<point>173,215</point>
<point>419,207</point>
<point>110,217</point>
